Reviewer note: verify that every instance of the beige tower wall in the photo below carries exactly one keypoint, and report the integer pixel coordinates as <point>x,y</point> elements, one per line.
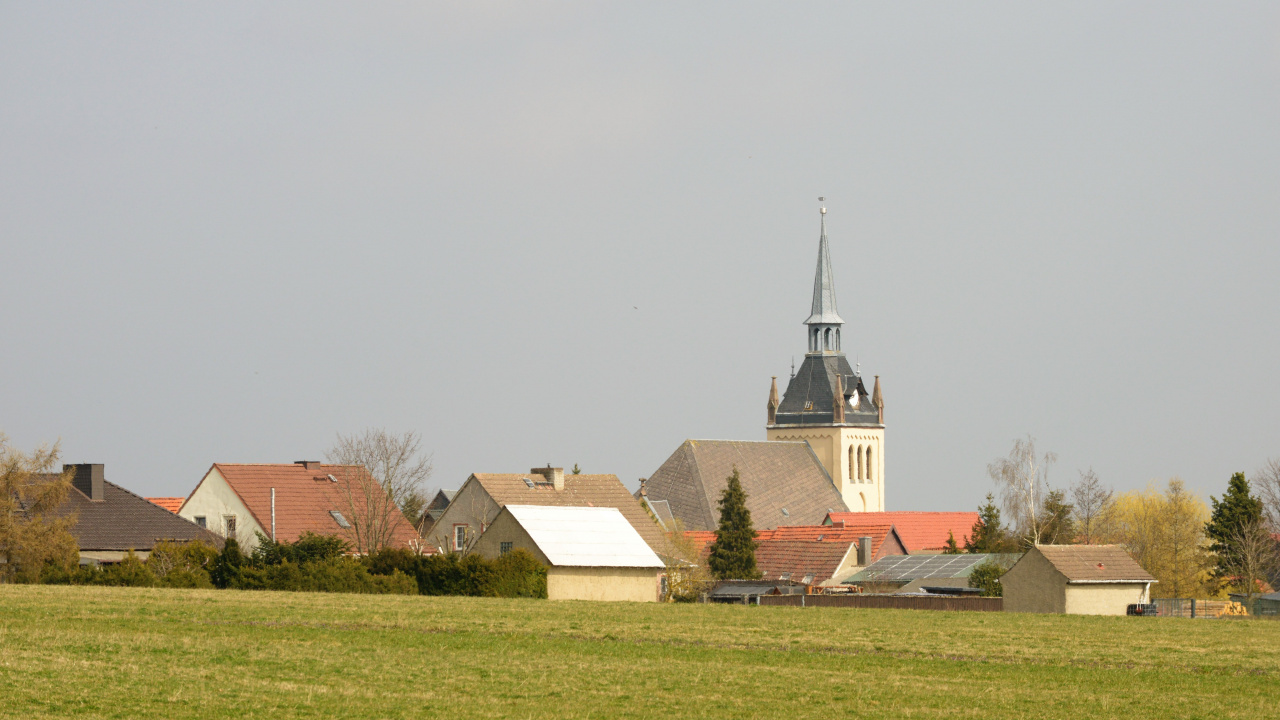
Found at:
<point>832,444</point>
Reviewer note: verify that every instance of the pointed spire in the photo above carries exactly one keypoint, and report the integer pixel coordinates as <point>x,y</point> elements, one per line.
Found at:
<point>877,399</point>
<point>837,403</point>
<point>774,402</point>
<point>824,286</point>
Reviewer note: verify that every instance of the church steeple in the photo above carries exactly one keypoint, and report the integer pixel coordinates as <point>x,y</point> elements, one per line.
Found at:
<point>824,322</point>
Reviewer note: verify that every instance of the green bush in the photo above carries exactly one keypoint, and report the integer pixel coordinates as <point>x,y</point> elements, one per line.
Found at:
<point>306,548</point>
<point>183,564</point>
<point>340,574</point>
<point>519,574</point>
<point>516,574</point>
<point>987,577</point>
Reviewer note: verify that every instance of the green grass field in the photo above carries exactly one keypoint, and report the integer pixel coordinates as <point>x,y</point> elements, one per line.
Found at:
<point>128,653</point>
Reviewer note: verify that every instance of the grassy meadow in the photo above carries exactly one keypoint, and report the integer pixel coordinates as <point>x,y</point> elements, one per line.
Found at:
<point>129,653</point>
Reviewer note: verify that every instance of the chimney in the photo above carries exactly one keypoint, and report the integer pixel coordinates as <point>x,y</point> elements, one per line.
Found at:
<point>308,464</point>
<point>555,475</point>
<point>643,493</point>
<point>773,402</point>
<point>864,551</point>
<point>87,479</point>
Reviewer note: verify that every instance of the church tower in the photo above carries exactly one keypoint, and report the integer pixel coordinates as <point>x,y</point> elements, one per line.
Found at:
<point>827,404</point>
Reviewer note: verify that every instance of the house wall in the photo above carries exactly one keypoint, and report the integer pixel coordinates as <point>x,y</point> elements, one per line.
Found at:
<point>214,499</point>
<point>471,506</point>
<point>1104,599</point>
<point>603,583</point>
<point>1034,585</point>
<point>832,445</point>
<point>505,528</point>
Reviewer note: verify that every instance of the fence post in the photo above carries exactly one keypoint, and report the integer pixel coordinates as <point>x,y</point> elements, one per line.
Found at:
<point>1193,608</point>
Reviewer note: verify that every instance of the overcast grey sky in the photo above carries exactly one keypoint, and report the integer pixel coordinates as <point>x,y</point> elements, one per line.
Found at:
<point>585,232</point>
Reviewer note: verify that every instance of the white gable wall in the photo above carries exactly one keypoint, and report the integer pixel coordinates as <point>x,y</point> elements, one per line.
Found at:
<point>214,499</point>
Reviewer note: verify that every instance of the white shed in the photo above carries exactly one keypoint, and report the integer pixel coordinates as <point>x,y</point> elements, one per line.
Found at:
<point>1076,580</point>
<point>591,553</point>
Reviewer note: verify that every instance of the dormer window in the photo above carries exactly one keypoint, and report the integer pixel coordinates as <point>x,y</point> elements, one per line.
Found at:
<point>338,518</point>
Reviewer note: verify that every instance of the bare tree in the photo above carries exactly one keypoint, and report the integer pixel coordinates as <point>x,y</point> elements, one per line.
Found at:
<point>1093,502</point>
<point>1023,479</point>
<point>1267,484</point>
<point>1255,557</point>
<point>383,471</point>
<point>33,531</point>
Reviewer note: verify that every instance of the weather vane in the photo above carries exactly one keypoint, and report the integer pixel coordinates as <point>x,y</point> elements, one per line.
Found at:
<point>822,209</point>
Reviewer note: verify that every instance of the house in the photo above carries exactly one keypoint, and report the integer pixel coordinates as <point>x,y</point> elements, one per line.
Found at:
<point>591,553</point>
<point>480,499</point>
<point>111,521</point>
<point>1077,580</point>
<point>282,501</point>
<point>168,503</point>
<point>785,483</point>
<point>912,573</point>
<point>922,532</point>
<point>434,510</point>
<point>819,555</point>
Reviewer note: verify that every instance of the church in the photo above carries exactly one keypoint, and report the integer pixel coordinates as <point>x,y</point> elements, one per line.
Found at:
<point>824,446</point>
<point>827,405</point>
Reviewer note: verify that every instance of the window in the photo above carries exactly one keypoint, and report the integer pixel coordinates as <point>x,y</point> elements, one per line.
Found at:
<point>504,548</point>
<point>459,537</point>
<point>785,576</point>
<point>870,475</point>
<point>229,522</point>
<point>808,579</point>
<point>201,521</point>
<point>338,518</point>
<point>851,464</point>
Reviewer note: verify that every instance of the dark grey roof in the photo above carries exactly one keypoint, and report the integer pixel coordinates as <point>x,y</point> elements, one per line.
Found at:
<point>441,500</point>
<point>661,509</point>
<point>823,310</point>
<point>809,396</point>
<point>125,521</point>
<point>775,475</point>
<point>741,588</point>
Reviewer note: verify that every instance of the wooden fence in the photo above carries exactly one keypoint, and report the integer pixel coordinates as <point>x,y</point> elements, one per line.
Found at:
<point>900,602</point>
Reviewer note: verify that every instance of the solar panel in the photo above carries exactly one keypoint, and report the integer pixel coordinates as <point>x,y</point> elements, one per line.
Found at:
<point>906,568</point>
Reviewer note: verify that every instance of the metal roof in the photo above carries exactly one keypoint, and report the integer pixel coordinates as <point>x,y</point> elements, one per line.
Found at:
<point>908,568</point>
<point>584,536</point>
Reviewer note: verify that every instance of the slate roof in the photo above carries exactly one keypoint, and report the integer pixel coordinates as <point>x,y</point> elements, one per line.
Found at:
<point>168,503</point>
<point>304,499</point>
<point>661,509</point>
<point>823,311</point>
<point>1094,563</point>
<point>775,476</point>
<point>583,490</point>
<point>920,531</point>
<point>815,382</point>
<point>584,536</point>
<point>125,521</point>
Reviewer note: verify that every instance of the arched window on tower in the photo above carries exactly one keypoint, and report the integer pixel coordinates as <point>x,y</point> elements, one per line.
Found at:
<point>826,341</point>
<point>859,463</point>
<point>837,338</point>
<point>871,476</point>
<point>851,464</point>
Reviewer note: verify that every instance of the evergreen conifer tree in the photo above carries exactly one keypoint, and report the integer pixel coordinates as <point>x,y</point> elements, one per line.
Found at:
<point>988,534</point>
<point>950,548</point>
<point>1059,520</point>
<point>1232,517</point>
<point>733,554</point>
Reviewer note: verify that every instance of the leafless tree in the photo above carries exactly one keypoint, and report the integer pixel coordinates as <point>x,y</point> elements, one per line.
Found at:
<point>33,530</point>
<point>1266,482</point>
<point>1093,502</point>
<point>1255,559</point>
<point>1023,479</point>
<point>382,471</point>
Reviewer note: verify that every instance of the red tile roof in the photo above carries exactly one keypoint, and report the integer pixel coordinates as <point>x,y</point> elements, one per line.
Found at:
<point>920,531</point>
<point>304,499</point>
<point>168,503</point>
<point>802,557</point>
<point>842,536</point>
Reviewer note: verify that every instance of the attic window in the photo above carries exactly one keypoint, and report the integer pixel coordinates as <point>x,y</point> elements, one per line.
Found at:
<point>332,478</point>
<point>528,481</point>
<point>201,521</point>
<point>808,579</point>
<point>785,513</point>
<point>337,517</point>
<point>820,538</point>
<point>785,576</point>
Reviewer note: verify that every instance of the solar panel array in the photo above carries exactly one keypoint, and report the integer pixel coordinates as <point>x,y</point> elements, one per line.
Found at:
<point>906,568</point>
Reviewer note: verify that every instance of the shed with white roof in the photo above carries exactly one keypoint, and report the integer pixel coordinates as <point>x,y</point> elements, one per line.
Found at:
<point>591,553</point>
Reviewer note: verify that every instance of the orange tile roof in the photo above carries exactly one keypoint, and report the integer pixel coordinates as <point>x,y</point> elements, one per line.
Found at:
<point>920,531</point>
<point>168,503</point>
<point>304,498</point>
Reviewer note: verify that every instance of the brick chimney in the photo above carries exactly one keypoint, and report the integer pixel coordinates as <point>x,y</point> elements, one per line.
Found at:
<point>87,479</point>
<point>555,475</point>
<point>308,464</point>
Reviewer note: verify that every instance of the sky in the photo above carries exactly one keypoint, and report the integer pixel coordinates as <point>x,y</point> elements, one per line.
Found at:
<point>584,232</point>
